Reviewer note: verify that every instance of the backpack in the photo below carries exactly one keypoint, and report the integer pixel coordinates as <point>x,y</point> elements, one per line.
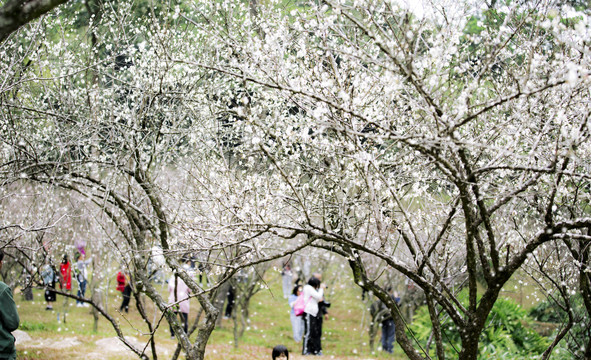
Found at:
<point>299,305</point>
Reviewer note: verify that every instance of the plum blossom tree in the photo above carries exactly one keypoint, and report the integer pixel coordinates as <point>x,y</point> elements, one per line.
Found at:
<point>110,119</point>
<point>447,144</point>
<point>450,145</point>
<point>58,230</point>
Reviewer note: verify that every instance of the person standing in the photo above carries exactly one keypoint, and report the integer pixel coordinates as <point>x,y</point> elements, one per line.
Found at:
<point>230,302</point>
<point>286,279</point>
<point>126,291</point>
<point>120,281</point>
<point>313,294</point>
<point>9,319</point>
<point>297,323</point>
<point>323,305</point>
<point>66,274</point>
<point>81,277</point>
<point>49,279</point>
<point>388,327</point>
<point>65,284</point>
<point>179,299</point>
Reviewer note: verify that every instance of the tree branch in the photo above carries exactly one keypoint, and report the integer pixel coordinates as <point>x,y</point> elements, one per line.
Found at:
<point>16,13</point>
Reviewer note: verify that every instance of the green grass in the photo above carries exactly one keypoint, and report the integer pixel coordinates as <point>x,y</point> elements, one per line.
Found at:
<point>345,333</point>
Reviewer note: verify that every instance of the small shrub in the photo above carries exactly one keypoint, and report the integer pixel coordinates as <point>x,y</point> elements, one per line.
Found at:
<point>548,311</point>
<point>508,333</point>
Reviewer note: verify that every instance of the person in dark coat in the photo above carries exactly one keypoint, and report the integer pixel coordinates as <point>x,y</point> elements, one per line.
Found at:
<point>230,304</point>
<point>50,278</point>
<point>9,320</point>
<point>388,327</point>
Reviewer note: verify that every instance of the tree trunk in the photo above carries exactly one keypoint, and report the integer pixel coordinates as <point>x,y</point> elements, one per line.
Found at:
<point>470,342</point>
<point>244,314</point>
<point>436,327</point>
<point>237,332</point>
<point>585,284</point>
<point>373,331</point>
<point>219,301</point>
<point>198,350</point>
<point>97,299</point>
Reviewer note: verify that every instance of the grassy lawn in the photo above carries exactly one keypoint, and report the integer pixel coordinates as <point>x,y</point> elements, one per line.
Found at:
<point>345,333</point>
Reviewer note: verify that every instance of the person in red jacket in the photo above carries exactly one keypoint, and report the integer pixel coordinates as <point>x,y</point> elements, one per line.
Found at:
<point>124,285</point>
<point>65,285</point>
<point>66,274</point>
<point>120,281</point>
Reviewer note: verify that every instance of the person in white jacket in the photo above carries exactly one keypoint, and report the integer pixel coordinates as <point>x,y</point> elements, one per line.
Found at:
<point>313,294</point>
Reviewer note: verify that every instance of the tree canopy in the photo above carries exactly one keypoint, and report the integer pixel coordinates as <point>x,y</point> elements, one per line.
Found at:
<point>448,145</point>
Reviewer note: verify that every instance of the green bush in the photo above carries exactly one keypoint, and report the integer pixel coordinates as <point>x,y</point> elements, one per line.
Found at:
<point>548,311</point>
<point>507,335</point>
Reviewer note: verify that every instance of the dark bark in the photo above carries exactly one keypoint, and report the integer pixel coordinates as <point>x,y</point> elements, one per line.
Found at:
<point>585,283</point>
<point>16,13</point>
<point>470,343</point>
<point>142,311</point>
<point>568,309</point>
<point>376,319</point>
<point>219,301</point>
<point>434,315</point>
